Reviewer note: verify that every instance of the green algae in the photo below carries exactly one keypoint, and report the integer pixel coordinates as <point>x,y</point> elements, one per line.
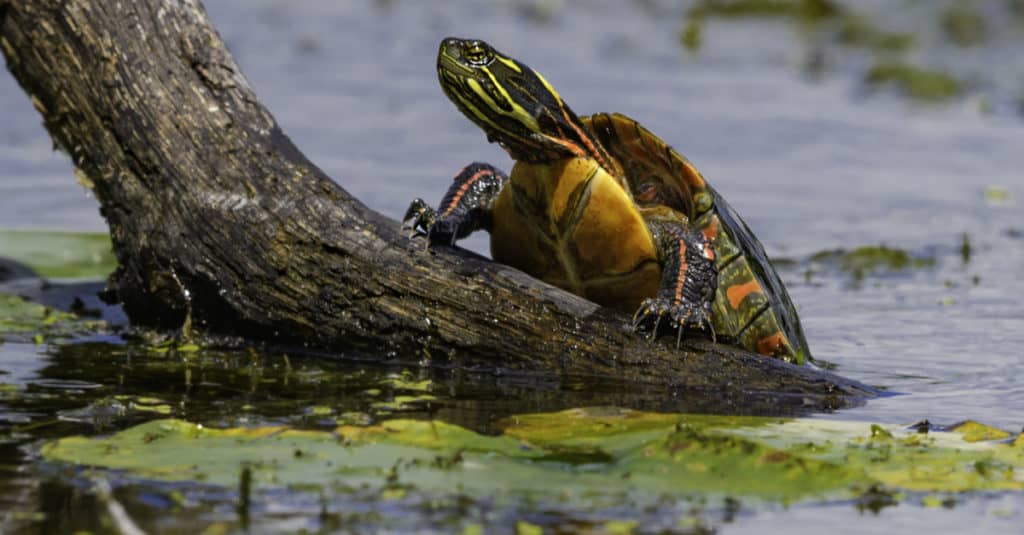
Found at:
<point>805,9</point>
<point>995,194</point>
<point>570,455</point>
<point>938,33</point>
<point>59,254</point>
<point>964,26</point>
<point>872,260</point>
<point>976,431</point>
<point>407,382</point>
<point>859,31</point>
<point>400,402</point>
<point>109,411</point>
<point>691,36</point>
<point>915,82</point>
<point>21,319</point>
<point>18,315</point>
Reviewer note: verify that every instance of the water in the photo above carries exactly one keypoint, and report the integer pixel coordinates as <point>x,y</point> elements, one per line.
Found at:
<point>811,163</point>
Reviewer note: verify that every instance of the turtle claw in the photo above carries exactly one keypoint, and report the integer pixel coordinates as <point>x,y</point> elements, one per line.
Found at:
<point>637,319</point>
<point>455,236</point>
<point>421,219</point>
<point>681,316</point>
<point>654,331</point>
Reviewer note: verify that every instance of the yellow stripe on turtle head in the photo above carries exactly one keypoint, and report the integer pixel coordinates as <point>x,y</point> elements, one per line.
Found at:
<point>509,62</point>
<point>501,103</point>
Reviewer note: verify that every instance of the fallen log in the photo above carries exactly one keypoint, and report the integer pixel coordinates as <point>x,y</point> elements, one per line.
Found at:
<point>220,224</point>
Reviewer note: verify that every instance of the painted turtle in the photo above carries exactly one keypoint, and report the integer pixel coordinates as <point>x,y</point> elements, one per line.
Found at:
<point>605,209</point>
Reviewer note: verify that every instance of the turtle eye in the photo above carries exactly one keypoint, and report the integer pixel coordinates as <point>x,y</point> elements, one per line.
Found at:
<point>646,192</point>
<point>477,54</point>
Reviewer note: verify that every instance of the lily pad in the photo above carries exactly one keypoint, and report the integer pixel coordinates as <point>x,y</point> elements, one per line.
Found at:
<point>61,255</point>
<point>975,431</point>
<point>583,452</point>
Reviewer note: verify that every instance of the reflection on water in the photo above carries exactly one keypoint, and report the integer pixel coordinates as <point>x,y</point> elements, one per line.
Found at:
<point>95,388</point>
<point>813,160</point>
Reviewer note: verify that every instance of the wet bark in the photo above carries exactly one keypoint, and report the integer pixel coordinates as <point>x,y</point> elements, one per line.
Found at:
<point>221,225</point>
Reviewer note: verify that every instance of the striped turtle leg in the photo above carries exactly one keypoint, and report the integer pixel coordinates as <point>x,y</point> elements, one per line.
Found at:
<point>689,278</point>
<point>464,209</point>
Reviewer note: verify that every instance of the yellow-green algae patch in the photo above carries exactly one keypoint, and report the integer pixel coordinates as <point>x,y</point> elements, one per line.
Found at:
<point>406,381</point>
<point>915,82</point>
<point>871,259</point>
<point>964,26</point>
<point>902,458</point>
<point>807,9</point>
<point>20,315</point>
<point>580,452</point>
<point>20,318</point>
<point>975,431</point>
<point>858,31</point>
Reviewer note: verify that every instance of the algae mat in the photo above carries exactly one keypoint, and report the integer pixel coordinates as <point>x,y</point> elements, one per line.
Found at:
<point>590,454</point>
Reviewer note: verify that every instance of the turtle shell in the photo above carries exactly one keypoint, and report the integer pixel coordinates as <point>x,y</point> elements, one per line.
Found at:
<point>751,307</point>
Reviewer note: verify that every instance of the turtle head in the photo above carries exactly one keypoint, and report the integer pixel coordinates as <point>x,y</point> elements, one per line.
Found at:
<point>513,104</point>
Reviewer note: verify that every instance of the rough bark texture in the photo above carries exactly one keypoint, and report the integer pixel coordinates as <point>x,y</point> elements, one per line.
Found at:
<point>218,221</point>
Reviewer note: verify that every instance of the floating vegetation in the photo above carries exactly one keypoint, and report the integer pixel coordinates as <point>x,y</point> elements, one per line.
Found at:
<point>965,248</point>
<point>107,412</point>
<point>964,26</point>
<point>934,32</point>
<point>977,432</point>
<point>915,82</point>
<point>805,9</point>
<point>858,31</point>
<point>63,255</point>
<point>24,320</point>
<point>872,259</point>
<point>541,12</point>
<point>691,36</point>
<point>995,194</point>
<point>585,460</point>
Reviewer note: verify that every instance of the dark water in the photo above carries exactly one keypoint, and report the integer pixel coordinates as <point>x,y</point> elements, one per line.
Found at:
<point>811,162</point>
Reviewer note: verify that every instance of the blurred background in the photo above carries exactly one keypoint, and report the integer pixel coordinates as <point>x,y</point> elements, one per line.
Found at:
<point>875,147</point>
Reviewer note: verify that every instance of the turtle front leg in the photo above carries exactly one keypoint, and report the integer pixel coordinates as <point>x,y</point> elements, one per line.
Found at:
<point>465,208</point>
<point>689,279</point>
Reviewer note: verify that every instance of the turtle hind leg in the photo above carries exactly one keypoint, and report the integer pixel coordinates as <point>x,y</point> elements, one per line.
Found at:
<point>689,279</point>
<point>465,208</point>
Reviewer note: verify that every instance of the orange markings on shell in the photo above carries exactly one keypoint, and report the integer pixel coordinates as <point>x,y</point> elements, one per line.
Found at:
<point>771,343</point>
<point>691,174</point>
<point>710,230</point>
<point>737,293</point>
